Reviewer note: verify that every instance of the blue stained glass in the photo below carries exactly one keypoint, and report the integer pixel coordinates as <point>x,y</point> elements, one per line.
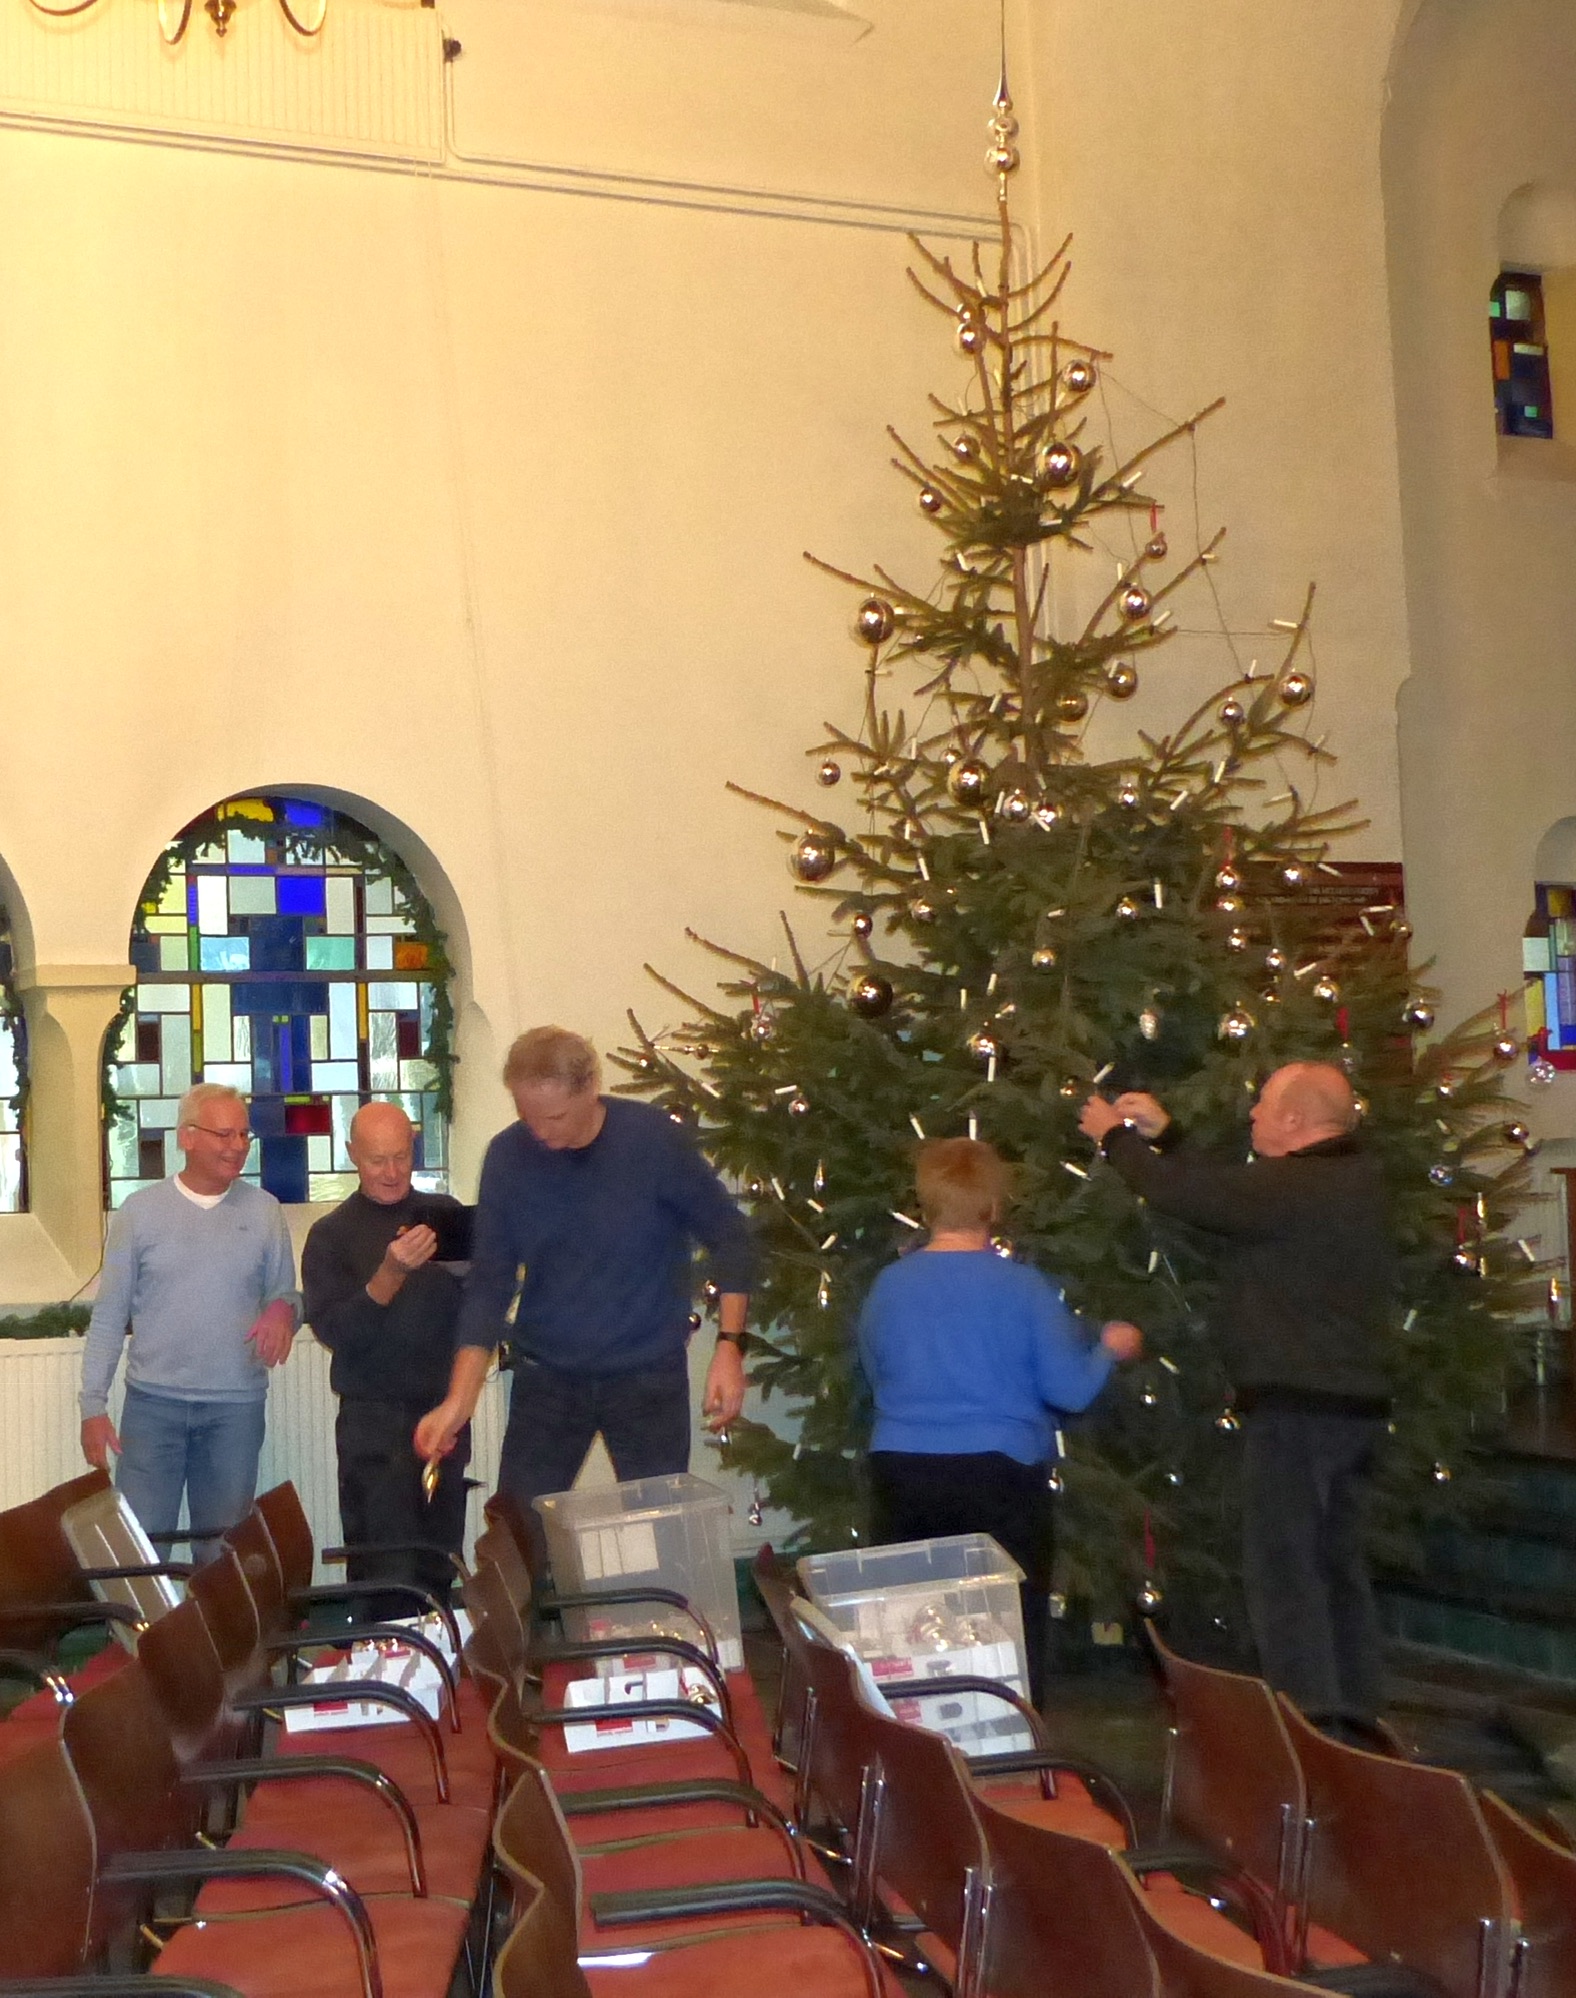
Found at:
<point>277,943</point>
<point>145,953</point>
<point>285,1168</point>
<point>225,954</point>
<point>301,895</point>
<point>279,996</point>
<point>297,812</point>
<point>268,1115</point>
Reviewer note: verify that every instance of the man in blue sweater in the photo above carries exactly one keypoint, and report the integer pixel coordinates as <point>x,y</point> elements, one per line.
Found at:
<point>199,1268</point>
<point>587,1212</point>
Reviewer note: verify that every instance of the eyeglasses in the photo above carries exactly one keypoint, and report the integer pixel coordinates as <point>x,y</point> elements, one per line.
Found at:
<point>239,1137</point>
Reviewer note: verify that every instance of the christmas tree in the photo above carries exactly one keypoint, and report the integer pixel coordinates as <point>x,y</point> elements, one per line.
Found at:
<point>1016,923</point>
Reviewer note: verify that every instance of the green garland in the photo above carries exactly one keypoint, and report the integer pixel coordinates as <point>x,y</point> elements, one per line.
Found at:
<point>50,1321</point>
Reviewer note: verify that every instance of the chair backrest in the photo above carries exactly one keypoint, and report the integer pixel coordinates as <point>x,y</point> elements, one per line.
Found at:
<point>538,1960</point>
<point>777,1593</point>
<point>524,1528</point>
<point>832,1765</point>
<point>254,1548</point>
<point>290,1530</point>
<point>1186,1971</point>
<point>1233,1781</point>
<point>36,1561</point>
<point>1061,1921</point>
<point>920,1842</point>
<point>102,1531</point>
<point>47,1864</point>
<point>533,1843</point>
<point>497,1546</point>
<point>1400,1864</point>
<point>496,1649</point>
<point>219,1589</point>
<point>120,1747</point>
<point>1545,1880</point>
<point>182,1666</point>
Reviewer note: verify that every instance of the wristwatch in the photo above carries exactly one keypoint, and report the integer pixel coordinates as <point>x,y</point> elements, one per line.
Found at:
<point>732,1339</point>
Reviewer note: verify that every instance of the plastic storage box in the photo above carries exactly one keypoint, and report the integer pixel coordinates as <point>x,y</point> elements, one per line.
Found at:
<point>932,1609</point>
<point>667,1533</point>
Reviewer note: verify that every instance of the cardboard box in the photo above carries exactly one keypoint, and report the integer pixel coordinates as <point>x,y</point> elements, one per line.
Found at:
<point>640,1682</point>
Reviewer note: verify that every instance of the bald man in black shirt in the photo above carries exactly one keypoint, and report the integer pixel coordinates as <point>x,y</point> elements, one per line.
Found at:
<point>379,1297</point>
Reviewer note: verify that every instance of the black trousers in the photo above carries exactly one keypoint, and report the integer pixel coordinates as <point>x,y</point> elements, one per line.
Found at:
<point>555,1417</point>
<point>1305,1487</point>
<point>915,1497</point>
<point>381,1503</point>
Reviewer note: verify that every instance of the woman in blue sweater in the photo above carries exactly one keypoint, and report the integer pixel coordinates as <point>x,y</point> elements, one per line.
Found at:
<point>971,1358</point>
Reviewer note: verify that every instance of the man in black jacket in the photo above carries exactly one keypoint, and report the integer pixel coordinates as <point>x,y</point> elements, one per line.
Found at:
<point>1306,1278</point>
<point>380,1297</point>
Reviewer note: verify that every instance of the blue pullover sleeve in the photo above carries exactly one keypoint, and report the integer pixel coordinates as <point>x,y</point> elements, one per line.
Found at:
<point>111,1318</point>
<point>1069,1373</point>
<point>709,1214</point>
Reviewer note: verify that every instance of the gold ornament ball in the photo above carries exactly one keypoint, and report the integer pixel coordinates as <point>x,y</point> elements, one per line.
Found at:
<point>1044,959</point>
<point>1002,160</point>
<point>1135,602</point>
<point>1121,679</point>
<point>965,449</point>
<point>1072,706</point>
<point>1126,910</point>
<point>1418,1015</point>
<point>1079,376</point>
<point>1236,939</point>
<point>1518,1134</point>
<point>812,857</point>
<point>1505,1049</point>
<point>870,995</point>
<point>1228,880</point>
<point>1326,990</point>
<point>862,924</point>
<point>1296,688</point>
<point>1275,962</point>
<point>1015,807</point>
<point>984,1047</point>
<point>921,910</point>
<point>968,781</point>
<point>1150,1597</point>
<point>1236,1025</point>
<point>875,620</point>
<point>930,501</point>
<point>1231,713</point>
<point>1229,905</point>
<point>1062,464</point>
<point>1157,548</point>
<point>829,773</point>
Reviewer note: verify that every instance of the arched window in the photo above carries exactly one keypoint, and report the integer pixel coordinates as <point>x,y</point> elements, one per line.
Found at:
<point>284,949</point>
<point>13,1082</point>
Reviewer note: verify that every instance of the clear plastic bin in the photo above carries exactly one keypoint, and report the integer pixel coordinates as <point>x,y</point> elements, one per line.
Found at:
<point>667,1533</point>
<point>933,1609</point>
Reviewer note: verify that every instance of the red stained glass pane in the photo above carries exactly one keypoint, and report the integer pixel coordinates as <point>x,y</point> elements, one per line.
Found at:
<point>408,1028</point>
<point>309,1120</point>
<point>409,956</point>
<point>147,1040</point>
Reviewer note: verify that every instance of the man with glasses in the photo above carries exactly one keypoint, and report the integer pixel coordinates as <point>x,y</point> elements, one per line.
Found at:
<point>199,1270</point>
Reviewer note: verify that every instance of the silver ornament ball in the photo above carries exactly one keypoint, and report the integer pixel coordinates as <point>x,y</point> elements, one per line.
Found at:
<point>1542,1073</point>
<point>1149,1598</point>
<point>1418,1015</point>
<point>1157,548</point>
<point>1231,713</point>
<point>1062,465</point>
<point>968,781</point>
<point>1236,1025</point>
<point>984,1047</point>
<point>1044,959</point>
<point>921,909</point>
<point>1296,689</point>
<point>1505,1049</point>
<point>870,995</point>
<point>862,924</point>
<point>930,501</point>
<point>1079,376</point>
<point>1121,680</point>
<point>1126,910</point>
<point>1135,602</point>
<point>798,1106</point>
<point>812,857</point>
<point>829,773</point>
<point>1015,807</point>
<point>1327,990</point>
<point>875,620</point>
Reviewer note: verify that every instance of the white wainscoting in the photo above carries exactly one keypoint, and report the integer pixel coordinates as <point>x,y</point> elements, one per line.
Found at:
<point>39,1379</point>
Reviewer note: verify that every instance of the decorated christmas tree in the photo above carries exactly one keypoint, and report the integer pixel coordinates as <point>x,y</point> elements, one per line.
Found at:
<point>1015,922</point>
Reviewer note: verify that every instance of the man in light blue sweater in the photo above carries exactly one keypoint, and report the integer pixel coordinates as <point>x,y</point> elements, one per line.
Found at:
<point>199,1269</point>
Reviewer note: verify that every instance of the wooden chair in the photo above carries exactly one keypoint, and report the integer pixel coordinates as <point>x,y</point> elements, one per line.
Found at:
<point>290,1530</point>
<point>813,1947</point>
<point>1400,1865</point>
<point>1544,1875</point>
<point>1235,1799</point>
<point>539,1960</point>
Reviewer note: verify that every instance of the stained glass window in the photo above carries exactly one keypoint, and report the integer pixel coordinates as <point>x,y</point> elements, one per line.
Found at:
<point>281,948</point>
<point>13,1082</point>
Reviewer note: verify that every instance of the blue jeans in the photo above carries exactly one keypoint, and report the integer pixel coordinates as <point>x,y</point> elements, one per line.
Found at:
<point>206,1449</point>
<point>554,1417</point>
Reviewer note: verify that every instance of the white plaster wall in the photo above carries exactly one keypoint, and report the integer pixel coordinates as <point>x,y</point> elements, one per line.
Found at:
<point>1481,108</point>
